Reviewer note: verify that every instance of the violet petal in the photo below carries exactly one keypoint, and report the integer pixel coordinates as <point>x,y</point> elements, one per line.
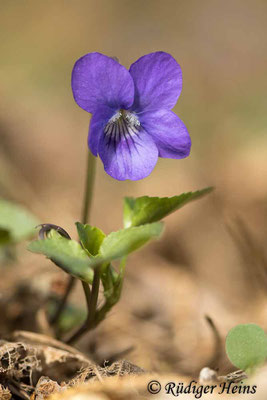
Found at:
<point>98,80</point>
<point>131,158</point>
<point>169,133</point>
<point>158,82</point>
<point>98,121</point>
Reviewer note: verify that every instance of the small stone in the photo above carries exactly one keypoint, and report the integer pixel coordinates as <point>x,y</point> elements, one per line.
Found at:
<point>207,375</point>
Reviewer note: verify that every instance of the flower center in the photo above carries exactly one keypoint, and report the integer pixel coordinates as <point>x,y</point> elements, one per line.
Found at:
<point>122,124</point>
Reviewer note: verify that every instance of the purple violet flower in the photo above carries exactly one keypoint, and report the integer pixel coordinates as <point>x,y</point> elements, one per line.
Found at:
<point>132,122</point>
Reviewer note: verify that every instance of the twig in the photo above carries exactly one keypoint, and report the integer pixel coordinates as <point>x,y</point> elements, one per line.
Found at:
<point>217,352</point>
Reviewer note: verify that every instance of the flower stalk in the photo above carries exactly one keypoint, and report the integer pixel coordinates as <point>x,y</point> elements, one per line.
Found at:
<point>86,211</point>
<point>89,187</point>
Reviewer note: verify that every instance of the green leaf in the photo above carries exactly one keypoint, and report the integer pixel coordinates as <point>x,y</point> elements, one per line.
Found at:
<point>72,258</point>
<point>7,248</point>
<point>121,243</point>
<point>143,210</point>
<point>5,237</point>
<point>91,238</point>
<point>112,283</point>
<point>71,316</point>
<point>246,346</point>
<point>110,280</point>
<point>16,220</point>
<point>66,254</point>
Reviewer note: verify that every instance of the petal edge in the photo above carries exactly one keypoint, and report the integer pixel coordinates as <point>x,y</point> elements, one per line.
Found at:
<point>98,80</point>
<point>168,132</point>
<point>158,82</point>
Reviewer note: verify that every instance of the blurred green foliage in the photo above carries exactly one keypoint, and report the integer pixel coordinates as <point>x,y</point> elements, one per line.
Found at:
<point>16,225</point>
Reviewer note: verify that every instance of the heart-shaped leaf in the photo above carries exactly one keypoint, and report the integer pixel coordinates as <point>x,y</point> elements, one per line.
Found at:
<point>246,346</point>
<point>121,243</point>
<point>143,210</point>
<point>66,254</point>
<point>72,258</point>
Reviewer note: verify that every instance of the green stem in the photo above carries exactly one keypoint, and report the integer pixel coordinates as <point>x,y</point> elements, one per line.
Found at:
<point>87,292</point>
<point>62,301</point>
<point>86,209</point>
<point>94,316</point>
<point>89,185</point>
<point>122,266</point>
<point>94,297</point>
<point>91,306</point>
<point>112,298</point>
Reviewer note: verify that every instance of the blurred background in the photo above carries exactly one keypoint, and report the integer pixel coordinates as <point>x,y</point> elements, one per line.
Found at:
<point>212,258</point>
